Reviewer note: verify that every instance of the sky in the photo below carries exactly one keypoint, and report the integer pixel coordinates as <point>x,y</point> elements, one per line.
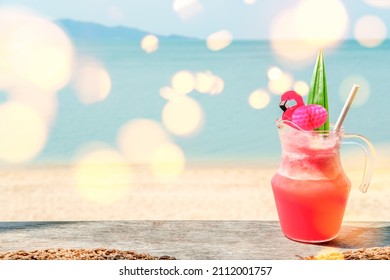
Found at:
<point>243,20</point>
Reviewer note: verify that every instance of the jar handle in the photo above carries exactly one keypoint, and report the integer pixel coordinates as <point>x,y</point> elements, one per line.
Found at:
<point>369,150</point>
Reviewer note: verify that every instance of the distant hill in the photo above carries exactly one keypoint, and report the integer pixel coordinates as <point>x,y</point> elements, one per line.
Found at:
<point>96,32</point>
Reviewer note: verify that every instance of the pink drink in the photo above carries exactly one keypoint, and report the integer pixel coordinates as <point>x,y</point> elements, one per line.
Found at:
<point>310,188</point>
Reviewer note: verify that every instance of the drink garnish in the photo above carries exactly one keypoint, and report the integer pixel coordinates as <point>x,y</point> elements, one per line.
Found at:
<point>318,93</point>
<point>310,117</point>
<point>307,117</point>
<point>288,110</point>
<point>315,115</point>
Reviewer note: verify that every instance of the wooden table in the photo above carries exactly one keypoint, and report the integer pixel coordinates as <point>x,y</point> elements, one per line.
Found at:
<point>185,239</point>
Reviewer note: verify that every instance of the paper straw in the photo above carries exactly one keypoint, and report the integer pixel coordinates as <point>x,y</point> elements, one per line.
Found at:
<point>347,105</point>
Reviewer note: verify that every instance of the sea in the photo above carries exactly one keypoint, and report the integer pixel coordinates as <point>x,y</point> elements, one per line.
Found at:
<point>232,132</point>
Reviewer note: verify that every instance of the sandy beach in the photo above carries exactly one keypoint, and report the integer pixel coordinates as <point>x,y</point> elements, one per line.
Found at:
<point>233,192</point>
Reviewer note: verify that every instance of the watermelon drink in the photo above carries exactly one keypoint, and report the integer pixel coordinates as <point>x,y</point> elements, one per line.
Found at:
<point>310,187</point>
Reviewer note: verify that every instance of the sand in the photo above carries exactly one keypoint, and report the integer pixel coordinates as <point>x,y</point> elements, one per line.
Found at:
<point>204,192</point>
<point>79,254</point>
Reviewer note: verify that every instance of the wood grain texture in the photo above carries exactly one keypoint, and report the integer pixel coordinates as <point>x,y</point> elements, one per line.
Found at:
<point>185,240</point>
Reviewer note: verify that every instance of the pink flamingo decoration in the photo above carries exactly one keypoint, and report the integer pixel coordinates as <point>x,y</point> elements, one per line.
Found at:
<point>285,99</point>
<point>307,117</point>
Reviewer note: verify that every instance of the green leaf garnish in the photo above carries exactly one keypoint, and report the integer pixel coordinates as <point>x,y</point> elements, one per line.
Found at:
<point>318,93</point>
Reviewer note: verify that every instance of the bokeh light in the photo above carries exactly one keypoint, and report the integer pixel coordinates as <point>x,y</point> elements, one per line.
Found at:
<point>297,33</point>
<point>218,87</point>
<point>286,42</point>
<point>115,14</point>
<point>92,81</point>
<point>138,139</point>
<point>23,133</point>
<point>34,51</point>
<point>149,43</point>
<point>274,73</point>
<point>6,77</point>
<point>182,116</point>
<point>378,3</point>
<point>363,93</point>
<point>219,40</point>
<point>44,103</point>
<point>204,82</point>
<point>313,25</point>
<point>249,2</point>
<point>183,82</point>
<point>370,31</point>
<point>259,99</point>
<point>168,161</point>
<point>301,87</point>
<point>187,9</point>
<point>103,176</point>
<point>207,82</point>
<point>168,93</point>
<point>281,85</point>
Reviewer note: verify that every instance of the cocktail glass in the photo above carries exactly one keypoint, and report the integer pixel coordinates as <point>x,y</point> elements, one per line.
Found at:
<point>310,187</point>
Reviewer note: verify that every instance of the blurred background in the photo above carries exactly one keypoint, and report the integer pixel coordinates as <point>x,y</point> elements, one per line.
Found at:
<point>92,92</point>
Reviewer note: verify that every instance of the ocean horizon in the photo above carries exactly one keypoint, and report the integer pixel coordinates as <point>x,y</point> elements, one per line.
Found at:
<point>231,128</point>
